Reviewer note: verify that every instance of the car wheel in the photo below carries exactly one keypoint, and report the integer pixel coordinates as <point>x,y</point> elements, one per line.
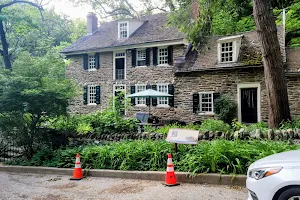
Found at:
<point>290,194</point>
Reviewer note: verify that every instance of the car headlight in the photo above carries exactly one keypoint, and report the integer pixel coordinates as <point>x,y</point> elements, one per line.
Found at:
<point>263,172</point>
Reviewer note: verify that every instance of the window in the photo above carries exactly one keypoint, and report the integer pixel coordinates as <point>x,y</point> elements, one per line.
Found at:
<point>227,52</point>
<point>123,30</point>
<point>141,57</point>
<point>162,100</point>
<point>91,94</point>
<point>206,102</point>
<point>92,62</point>
<point>140,100</point>
<point>163,56</point>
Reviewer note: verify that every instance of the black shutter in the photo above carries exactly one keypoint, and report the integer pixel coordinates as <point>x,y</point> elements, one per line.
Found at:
<point>132,91</point>
<point>97,60</point>
<point>216,96</point>
<point>85,61</point>
<point>148,86</point>
<point>154,49</point>
<point>133,57</point>
<point>196,102</point>
<point>85,95</point>
<point>171,91</point>
<point>98,95</point>
<point>148,57</point>
<point>154,100</point>
<point>170,55</point>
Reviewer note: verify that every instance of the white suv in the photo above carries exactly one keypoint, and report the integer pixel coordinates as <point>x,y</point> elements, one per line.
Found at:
<point>276,177</point>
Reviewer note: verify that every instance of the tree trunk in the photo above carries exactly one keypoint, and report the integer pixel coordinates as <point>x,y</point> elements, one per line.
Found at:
<point>276,86</point>
<point>4,53</point>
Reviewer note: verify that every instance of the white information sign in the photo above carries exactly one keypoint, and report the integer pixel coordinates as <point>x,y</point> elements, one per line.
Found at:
<point>182,136</point>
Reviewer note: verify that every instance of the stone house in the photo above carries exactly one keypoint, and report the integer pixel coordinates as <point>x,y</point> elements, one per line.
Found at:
<point>133,54</point>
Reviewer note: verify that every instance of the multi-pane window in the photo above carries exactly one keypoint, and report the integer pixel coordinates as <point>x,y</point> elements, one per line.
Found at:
<point>140,100</point>
<point>92,62</point>
<point>206,102</point>
<point>162,100</point>
<point>91,94</point>
<point>123,30</point>
<point>141,57</point>
<point>227,52</point>
<point>163,56</point>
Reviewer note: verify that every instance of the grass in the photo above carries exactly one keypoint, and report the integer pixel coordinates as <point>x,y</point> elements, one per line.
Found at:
<point>218,156</point>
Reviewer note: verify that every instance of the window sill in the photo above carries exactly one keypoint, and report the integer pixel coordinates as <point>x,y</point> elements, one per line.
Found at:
<point>163,65</point>
<point>141,105</point>
<point>91,104</point>
<point>228,62</point>
<point>92,70</point>
<point>163,106</point>
<point>142,66</point>
<point>206,113</point>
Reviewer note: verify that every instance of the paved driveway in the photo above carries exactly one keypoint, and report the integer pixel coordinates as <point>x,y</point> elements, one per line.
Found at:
<point>47,187</point>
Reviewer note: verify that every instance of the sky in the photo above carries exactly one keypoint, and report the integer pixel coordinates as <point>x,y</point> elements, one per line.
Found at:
<point>65,7</point>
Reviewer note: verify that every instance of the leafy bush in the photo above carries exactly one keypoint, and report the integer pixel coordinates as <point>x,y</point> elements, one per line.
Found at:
<point>225,108</point>
<point>214,125</point>
<point>290,124</point>
<point>216,156</point>
<point>236,125</point>
<point>263,126</point>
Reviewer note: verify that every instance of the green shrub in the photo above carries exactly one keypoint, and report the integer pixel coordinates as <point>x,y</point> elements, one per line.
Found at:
<point>290,124</point>
<point>214,125</point>
<point>236,125</point>
<point>225,108</point>
<point>263,126</point>
<point>218,156</point>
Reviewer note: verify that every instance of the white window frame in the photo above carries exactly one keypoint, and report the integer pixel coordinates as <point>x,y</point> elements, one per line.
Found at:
<point>159,58</point>
<point>236,44</point>
<point>137,98</point>
<point>119,54</point>
<point>93,63</point>
<point>245,86</point>
<point>138,59</point>
<point>200,104</point>
<point>119,29</point>
<point>160,98</point>
<point>89,94</point>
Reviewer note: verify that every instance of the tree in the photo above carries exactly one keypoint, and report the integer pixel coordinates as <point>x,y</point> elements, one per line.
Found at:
<point>118,9</point>
<point>36,88</point>
<point>4,51</point>
<point>273,63</point>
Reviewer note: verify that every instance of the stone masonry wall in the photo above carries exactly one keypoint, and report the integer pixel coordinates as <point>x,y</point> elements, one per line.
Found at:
<point>104,77</point>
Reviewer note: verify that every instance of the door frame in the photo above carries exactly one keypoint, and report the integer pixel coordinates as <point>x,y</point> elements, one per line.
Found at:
<point>245,86</point>
<point>114,63</point>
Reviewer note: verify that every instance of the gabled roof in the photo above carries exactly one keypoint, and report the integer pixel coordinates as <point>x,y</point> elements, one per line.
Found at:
<point>206,58</point>
<point>154,29</point>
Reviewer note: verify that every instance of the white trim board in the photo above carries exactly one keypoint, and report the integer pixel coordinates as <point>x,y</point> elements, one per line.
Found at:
<point>249,85</point>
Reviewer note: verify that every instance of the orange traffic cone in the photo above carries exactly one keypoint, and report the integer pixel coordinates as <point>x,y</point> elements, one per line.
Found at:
<point>170,175</point>
<point>77,175</point>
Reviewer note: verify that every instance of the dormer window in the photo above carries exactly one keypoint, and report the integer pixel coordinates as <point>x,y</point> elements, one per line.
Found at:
<point>229,48</point>
<point>227,52</point>
<point>123,29</point>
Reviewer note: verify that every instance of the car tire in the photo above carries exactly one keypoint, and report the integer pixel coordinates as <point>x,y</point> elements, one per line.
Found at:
<point>289,193</point>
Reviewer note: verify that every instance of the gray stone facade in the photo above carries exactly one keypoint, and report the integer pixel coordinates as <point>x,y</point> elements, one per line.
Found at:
<point>134,75</point>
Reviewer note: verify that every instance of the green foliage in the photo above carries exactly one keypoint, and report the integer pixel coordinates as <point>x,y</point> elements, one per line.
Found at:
<point>214,125</point>
<point>218,156</point>
<point>236,125</point>
<point>294,124</point>
<point>226,109</point>
<point>263,126</point>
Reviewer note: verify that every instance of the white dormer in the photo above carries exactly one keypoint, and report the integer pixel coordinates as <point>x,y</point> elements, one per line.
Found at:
<point>126,28</point>
<point>229,48</point>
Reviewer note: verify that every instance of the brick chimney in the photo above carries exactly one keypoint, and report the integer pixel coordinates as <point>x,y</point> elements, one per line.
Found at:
<point>92,23</point>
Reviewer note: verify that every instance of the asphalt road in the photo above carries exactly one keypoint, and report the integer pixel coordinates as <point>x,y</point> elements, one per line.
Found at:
<point>47,187</point>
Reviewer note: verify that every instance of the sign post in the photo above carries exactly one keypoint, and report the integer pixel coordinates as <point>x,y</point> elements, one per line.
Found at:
<point>182,136</point>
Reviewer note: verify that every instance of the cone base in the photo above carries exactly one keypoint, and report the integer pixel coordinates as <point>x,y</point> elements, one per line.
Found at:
<point>75,179</point>
<point>170,185</point>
